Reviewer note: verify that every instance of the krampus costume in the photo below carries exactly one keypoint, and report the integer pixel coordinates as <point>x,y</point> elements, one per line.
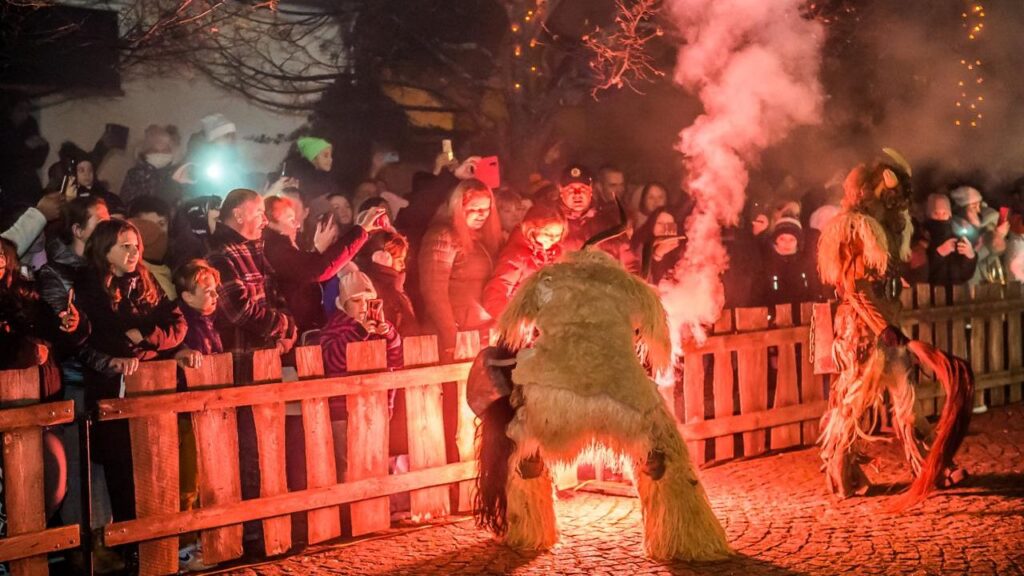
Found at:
<point>578,334</point>
<point>860,253</point>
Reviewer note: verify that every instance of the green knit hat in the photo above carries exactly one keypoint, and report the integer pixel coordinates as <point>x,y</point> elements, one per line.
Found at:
<point>311,147</point>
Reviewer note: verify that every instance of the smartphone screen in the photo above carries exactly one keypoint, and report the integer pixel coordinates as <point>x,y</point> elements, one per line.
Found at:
<point>488,171</point>
<point>375,310</point>
<point>446,148</point>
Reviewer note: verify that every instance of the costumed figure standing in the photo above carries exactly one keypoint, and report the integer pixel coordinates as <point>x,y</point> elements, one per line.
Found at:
<point>860,253</point>
<point>570,373</point>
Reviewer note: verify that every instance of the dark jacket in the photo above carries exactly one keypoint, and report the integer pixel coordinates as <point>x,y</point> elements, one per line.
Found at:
<point>791,279</point>
<point>335,337</point>
<point>26,320</point>
<point>162,324</point>
<point>250,313</point>
<point>144,179</point>
<point>519,260</point>
<point>114,203</point>
<point>452,279</point>
<point>946,270</point>
<point>304,270</point>
<point>19,164</point>
<point>390,286</point>
<point>201,336</point>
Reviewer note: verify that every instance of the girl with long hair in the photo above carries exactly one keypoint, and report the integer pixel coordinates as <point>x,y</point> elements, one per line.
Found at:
<point>456,260</point>
<point>118,293</point>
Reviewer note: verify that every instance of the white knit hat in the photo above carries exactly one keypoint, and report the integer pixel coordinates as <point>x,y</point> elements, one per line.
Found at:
<point>965,195</point>
<point>354,284</point>
<point>822,216</point>
<point>217,126</point>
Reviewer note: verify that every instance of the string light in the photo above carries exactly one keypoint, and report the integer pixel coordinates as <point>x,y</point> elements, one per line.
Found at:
<point>973,26</point>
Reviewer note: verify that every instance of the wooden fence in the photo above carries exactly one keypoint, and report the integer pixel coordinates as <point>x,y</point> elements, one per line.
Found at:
<point>748,389</point>
<point>751,386</point>
<point>22,419</point>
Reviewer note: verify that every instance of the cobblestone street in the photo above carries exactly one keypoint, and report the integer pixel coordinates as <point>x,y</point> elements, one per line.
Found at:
<point>777,515</point>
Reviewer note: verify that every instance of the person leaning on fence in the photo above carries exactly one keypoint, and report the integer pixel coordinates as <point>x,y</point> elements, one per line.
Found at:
<point>196,284</point>
<point>135,321</point>
<point>28,332</point>
<point>250,315</point>
<point>354,322</point>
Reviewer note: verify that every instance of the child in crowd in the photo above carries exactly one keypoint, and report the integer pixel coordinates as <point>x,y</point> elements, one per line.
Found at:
<point>359,319</point>
<point>196,282</point>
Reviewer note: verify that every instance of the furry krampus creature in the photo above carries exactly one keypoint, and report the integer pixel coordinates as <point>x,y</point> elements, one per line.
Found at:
<point>859,253</point>
<point>574,330</point>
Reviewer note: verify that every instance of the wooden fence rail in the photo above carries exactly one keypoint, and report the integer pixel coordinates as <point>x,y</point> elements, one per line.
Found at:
<point>749,388</point>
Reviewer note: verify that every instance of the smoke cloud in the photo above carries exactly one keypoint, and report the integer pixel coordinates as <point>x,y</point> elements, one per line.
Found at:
<point>754,64</point>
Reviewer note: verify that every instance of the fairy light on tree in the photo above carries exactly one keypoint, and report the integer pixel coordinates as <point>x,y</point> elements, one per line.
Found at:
<point>969,103</point>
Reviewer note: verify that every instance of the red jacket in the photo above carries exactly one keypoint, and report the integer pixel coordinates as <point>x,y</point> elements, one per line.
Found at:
<point>519,260</point>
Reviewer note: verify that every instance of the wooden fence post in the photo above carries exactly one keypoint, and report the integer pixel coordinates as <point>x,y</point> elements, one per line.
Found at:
<point>1014,338</point>
<point>753,371</point>
<point>926,333</point>
<point>154,448</point>
<point>367,437</point>
<point>994,340</point>
<point>269,423</point>
<point>467,345</point>
<point>725,376</point>
<point>812,386</point>
<point>23,466</point>
<point>425,418</point>
<point>693,400</point>
<point>216,434</point>
<point>786,391</point>
<point>325,523</point>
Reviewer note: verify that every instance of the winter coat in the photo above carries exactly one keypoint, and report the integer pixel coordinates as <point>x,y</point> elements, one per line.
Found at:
<point>25,230</point>
<point>144,179</point>
<point>452,279</point>
<point>519,260</point>
<point>300,285</point>
<point>162,324</point>
<point>791,279</point>
<point>114,203</point>
<point>250,314</point>
<point>949,270</point>
<point>390,286</point>
<point>201,336</point>
<point>593,222</point>
<point>335,337</point>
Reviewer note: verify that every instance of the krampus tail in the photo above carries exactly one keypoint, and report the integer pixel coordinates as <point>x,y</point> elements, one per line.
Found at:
<point>957,380</point>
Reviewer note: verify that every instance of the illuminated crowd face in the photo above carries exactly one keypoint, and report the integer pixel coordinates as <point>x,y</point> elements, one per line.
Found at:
<point>124,256</point>
<point>342,209</point>
<point>324,160</point>
<point>85,175</point>
<point>786,244</point>
<point>548,235</point>
<point>577,197</point>
<point>251,219</point>
<point>665,225</point>
<point>477,210</point>
<point>204,297</point>
<point>656,198</point>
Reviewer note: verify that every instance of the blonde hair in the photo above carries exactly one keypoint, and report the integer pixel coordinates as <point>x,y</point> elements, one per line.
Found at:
<point>455,215</point>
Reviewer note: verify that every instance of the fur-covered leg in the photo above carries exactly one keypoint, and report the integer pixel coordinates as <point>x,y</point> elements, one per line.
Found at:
<point>678,521</point>
<point>904,419</point>
<point>531,510</point>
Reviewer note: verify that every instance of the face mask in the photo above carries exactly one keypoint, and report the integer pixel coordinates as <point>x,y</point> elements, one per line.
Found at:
<point>159,160</point>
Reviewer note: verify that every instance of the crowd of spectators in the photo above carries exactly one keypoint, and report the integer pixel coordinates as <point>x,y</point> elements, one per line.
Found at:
<point>200,253</point>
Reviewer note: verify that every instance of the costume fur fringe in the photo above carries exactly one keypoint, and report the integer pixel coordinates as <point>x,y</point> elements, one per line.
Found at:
<point>531,511</point>
<point>851,246</point>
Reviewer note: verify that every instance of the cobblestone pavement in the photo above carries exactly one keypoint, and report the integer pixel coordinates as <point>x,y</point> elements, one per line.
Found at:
<point>777,515</point>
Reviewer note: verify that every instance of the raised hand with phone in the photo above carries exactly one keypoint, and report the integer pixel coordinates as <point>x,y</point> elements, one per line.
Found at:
<point>374,219</point>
